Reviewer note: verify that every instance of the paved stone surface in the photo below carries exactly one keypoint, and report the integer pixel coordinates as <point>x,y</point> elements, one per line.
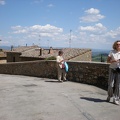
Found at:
<point>33,98</point>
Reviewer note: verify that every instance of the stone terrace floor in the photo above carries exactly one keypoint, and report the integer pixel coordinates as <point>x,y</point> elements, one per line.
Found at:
<point>33,98</point>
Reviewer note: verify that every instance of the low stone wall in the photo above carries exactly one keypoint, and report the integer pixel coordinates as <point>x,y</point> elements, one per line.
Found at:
<point>85,72</point>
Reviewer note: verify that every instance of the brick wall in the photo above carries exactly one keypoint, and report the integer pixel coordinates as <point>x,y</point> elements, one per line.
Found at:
<point>85,72</point>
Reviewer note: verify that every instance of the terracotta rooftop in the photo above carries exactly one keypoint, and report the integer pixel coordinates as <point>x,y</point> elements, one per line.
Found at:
<point>34,51</point>
<point>73,52</point>
<point>24,48</point>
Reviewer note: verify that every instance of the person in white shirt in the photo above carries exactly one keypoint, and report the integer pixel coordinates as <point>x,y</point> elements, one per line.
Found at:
<point>114,73</point>
<point>61,67</point>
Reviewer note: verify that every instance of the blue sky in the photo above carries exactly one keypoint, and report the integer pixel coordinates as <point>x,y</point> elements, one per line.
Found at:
<point>60,23</point>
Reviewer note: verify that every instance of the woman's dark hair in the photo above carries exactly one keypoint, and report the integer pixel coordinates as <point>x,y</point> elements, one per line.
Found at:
<point>115,44</point>
<point>60,52</point>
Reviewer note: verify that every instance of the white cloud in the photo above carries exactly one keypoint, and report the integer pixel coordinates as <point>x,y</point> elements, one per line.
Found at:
<point>114,33</point>
<point>37,1</point>
<point>2,2</point>
<point>19,29</point>
<point>92,15</point>
<point>92,11</point>
<point>86,36</point>
<point>50,5</point>
<point>104,39</point>
<point>97,28</point>
<point>96,36</point>
<point>46,31</point>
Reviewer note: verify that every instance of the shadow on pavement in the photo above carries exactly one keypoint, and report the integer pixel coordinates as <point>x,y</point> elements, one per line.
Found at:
<point>53,81</point>
<point>93,99</point>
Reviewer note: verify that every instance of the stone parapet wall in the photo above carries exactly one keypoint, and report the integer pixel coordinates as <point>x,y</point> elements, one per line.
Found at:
<point>94,73</point>
<point>85,72</point>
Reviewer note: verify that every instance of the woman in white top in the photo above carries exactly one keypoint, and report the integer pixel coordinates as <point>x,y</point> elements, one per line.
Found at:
<point>114,73</point>
<point>60,66</point>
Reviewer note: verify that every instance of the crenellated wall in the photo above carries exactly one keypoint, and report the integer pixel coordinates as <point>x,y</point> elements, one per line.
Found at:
<point>94,73</point>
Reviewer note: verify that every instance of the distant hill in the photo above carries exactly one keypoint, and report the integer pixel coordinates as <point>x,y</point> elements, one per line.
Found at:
<point>99,55</point>
<point>5,47</point>
<point>99,51</point>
